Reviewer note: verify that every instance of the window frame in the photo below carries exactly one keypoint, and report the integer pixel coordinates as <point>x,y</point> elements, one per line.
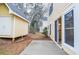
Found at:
<point>69,28</point>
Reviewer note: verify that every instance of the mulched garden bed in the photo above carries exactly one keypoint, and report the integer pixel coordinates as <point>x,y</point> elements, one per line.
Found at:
<point>9,48</point>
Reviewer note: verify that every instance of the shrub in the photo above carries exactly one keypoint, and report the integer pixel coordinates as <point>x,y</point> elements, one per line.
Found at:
<point>45,32</point>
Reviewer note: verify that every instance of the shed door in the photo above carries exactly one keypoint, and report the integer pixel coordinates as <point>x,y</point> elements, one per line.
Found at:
<point>5,25</point>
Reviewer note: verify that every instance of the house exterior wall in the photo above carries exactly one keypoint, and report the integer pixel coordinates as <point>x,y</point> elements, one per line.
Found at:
<point>59,10</point>
<point>20,27</point>
<point>68,48</point>
<point>4,12</point>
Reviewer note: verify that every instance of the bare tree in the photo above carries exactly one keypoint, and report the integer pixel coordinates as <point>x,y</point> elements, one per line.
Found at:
<point>36,16</point>
<point>35,13</point>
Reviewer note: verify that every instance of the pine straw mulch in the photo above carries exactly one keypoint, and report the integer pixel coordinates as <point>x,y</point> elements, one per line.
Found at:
<point>9,48</point>
<point>39,36</point>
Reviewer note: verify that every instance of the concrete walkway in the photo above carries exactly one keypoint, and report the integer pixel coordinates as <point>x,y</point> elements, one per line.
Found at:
<point>43,47</point>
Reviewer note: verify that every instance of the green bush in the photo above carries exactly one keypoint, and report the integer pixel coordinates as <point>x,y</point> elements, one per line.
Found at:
<point>45,32</point>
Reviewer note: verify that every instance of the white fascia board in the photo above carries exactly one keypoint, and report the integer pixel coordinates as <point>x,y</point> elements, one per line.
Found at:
<point>18,15</point>
<point>12,12</point>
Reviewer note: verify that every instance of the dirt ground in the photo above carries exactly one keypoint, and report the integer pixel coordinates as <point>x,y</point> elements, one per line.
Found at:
<point>9,48</point>
<point>38,36</point>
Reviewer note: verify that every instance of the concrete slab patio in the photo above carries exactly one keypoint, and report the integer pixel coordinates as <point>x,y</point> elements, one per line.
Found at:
<point>43,47</point>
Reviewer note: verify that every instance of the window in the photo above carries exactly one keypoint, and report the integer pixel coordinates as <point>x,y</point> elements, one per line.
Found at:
<point>50,9</point>
<point>50,29</point>
<point>56,30</point>
<point>69,28</point>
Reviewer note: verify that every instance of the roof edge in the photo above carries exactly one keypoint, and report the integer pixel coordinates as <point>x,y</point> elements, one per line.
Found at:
<point>11,11</point>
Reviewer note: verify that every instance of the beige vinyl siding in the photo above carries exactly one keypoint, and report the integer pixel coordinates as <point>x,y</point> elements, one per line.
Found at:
<point>21,27</point>
<point>4,12</point>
